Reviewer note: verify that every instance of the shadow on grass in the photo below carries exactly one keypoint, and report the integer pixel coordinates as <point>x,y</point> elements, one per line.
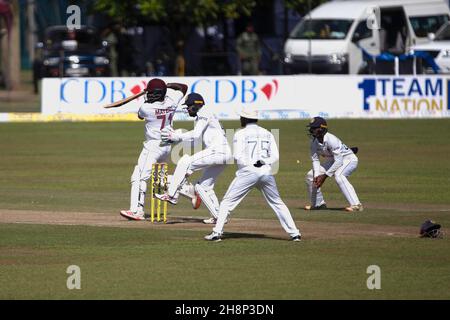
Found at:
<point>242,235</point>
<point>175,220</point>
<point>341,209</point>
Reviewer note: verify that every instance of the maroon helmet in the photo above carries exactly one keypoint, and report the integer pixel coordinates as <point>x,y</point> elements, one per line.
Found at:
<point>156,90</point>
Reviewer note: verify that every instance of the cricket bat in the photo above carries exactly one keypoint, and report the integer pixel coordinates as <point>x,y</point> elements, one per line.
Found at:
<point>125,101</point>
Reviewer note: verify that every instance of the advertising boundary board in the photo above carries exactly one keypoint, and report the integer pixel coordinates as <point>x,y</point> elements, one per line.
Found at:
<point>275,97</point>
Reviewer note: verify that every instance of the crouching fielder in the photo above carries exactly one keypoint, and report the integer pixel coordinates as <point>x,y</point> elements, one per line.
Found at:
<point>341,161</point>
<point>212,160</point>
<point>255,150</point>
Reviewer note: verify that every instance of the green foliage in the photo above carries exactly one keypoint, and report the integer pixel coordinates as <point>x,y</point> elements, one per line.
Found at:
<point>117,9</point>
<point>302,6</point>
<point>175,13</point>
<point>234,9</point>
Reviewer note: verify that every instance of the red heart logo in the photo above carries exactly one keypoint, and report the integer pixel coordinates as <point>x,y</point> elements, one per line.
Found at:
<point>269,88</point>
<point>137,88</point>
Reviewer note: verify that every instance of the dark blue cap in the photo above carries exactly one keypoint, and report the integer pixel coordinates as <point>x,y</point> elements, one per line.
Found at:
<point>194,99</point>
<point>317,122</point>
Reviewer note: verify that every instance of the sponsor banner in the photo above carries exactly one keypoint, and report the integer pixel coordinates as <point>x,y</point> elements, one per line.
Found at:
<point>277,97</point>
<point>223,95</point>
<point>405,96</point>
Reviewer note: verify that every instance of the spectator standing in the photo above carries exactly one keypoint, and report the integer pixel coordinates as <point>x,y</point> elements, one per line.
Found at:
<point>109,35</point>
<point>249,51</point>
<point>180,63</point>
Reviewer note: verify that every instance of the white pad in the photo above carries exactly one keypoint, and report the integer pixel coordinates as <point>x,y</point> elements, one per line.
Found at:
<point>135,188</point>
<point>210,200</point>
<point>136,176</point>
<point>215,201</point>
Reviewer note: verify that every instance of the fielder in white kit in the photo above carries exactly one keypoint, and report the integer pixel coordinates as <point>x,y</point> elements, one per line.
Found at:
<point>341,161</point>
<point>211,160</point>
<point>157,111</point>
<point>255,150</point>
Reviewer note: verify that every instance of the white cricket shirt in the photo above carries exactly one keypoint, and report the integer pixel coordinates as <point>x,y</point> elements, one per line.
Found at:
<point>159,114</point>
<point>331,148</point>
<point>254,143</point>
<point>208,128</point>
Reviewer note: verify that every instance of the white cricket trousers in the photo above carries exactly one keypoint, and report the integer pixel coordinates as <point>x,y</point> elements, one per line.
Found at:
<point>350,163</point>
<point>246,180</point>
<point>151,153</point>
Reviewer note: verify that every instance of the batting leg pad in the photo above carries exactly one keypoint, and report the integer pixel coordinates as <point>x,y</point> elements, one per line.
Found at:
<point>135,189</point>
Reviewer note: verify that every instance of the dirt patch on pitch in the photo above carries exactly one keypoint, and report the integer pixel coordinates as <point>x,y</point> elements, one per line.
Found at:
<point>410,207</point>
<point>236,228</point>
<point>401,207</point>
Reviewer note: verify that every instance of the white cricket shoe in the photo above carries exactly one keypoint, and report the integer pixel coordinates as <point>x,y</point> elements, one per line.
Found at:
<point>211,220</point>
<point>166,197</point>
<point>130,215</point>
<point>355,208</point>
<point>296,238</point>
<point>214,236</point>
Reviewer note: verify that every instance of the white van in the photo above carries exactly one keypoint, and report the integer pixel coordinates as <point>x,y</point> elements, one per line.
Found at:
<point>438,48</point>
<point>331,37</point>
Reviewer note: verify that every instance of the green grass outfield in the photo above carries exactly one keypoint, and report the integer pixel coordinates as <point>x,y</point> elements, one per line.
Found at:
<point>65,170</point>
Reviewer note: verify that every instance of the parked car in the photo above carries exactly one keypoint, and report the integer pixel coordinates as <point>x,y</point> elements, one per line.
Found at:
<point>72,53</point>
<point>331,37</point>
<point>438,48</point>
